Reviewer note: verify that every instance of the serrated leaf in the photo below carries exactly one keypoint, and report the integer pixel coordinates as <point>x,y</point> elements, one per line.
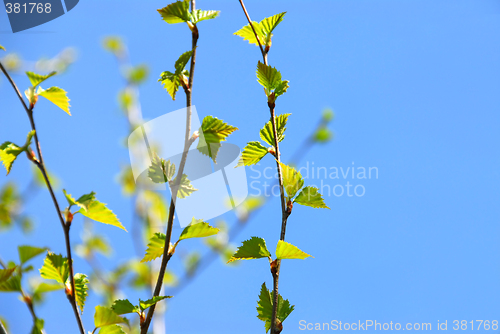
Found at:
<point>201,15</point>
<point>124,306</point>
<point>81,288</point>
<point>176,12</point>
<point>8,154</point>
<point>266,133</point>
<point>263,29</point>
<point>310,196</point>
<point>12,284</point>
<point>57,96</point>
<point>112,329</point>
<point>285,250</point>
<point>55,267</point>
<point>213,131</point>
<point>254,248</point>
<point>292,180</point>
<point>37,79</point>
<point>161,171</point>
<point>6,273</point>
<point>198,229</point>
<point>105,316</point>
<point>150,302</point>
<point>181,63</point>
<point>185,187</point>
<point>270,78</point>
<point>171,83</point>
<point>265,307</point>
<point>26,253</point>
<point>155,248</point>
<point>99,212</point>
<point>83,201</point>
<point>252,154</point>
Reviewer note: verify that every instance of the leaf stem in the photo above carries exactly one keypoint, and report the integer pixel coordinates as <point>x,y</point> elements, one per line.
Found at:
<point>66,227</point>
<point>188,140</point>
<point>264,54</point>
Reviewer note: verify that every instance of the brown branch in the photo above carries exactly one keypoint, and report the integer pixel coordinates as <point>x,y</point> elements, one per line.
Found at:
<point>66,226</point>
<point>264,54</point>
<point>188,140</point>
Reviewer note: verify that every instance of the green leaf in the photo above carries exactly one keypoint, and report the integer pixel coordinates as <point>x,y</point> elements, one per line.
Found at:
<point>270,79</point>
<point>265,307</point>
<point>38,326</point>
<point>83,202</point>
<point>185,187</point>
<point>171,82</point>
<point>322,135</point>
<point>201,15</point>
<point>81,288</point>
<point>155,247</point>
<point>99,212</point>
<point>284,250</point>
<point>43,288</point>
<point>181,63</point>
<point>2,48</point>
<point>12,284</point>
<point>150,302</point>
<point>252,154</point>
<point>176,12</point>
<point>161,171</point>
<point>254,248</point>
<point>213,131</point>
<point>26,253</point>
<point>124,306</point>
<point>310,196</point>
<point>292,180</point>
<point>198,229</point>
<point>112,329</point>
<point>266,133</point>
<point>138,74</point>
<point>6,273</point>
<point>263,29</point>
<point>105,316</point>
<point>37,79</point>
<point>57,96</point>
<point>9,151</point>
<point>55,267</point>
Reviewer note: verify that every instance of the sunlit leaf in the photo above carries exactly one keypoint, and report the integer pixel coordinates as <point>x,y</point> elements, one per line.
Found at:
<point>181,63</point>
<point>265,307</point>
<point>198,229</point>
<point>213,131</point>
<point>254,248</point>
<point>38,326</point>
<point>81,288</point>
<point>252,154</point>
<point>57,96</point>
<point>12,284</point>
<point>263,29</point>
<point>26,253</point>
<point>150,302</point>
<point>2,48</point>
<point>310,196</point>
<point>155,248</point>
<point>112,329</point>
<point>266,133</point>
<point>37,79</point>
<point>6,273</point>
<point>284,250</point>
<point>201,15</point>
<point>176,12</point>
<point>99,212</point>
<point>185,187</point>
<point>161,171</point>
<point>55,267</point>
<point>292,180</point>
<point>105,316</point>
<point>124,306</point>
<point>171,82</point>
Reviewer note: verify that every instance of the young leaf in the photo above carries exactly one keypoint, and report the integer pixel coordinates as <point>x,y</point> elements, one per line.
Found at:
<point>2,48</point>
<point>248,35</point>
<point>213,131</point>
<point>263,29</point>
<point>310,196</point>
<point>12,284</point>
<point>171,83</point>
<point>99,212</point>
<point>43,288</point>
<point>265,307</point>
<point>254,248</point>
<point>161,171</point>
<point>150,302</point>
<point>284,250</point>
<point>198,230</point>
<point>105,316</point>
<point>185,187</point>
<point>176,12</point>
<point>201,15</point>
<point>6,273</point>
<point>55,267</point>
<point>37,79</point>
<point>181,63</point>
<point>81,288</point>
<point>83,202</point>
<point>57,96</point>
<point>252,154</point>
<point>270,79</point>
<point>26,253</point>
<point>266,133</point>
<point>292,180</point>
<point>112,329</point>
<point>9,151</point>
<point>155,247</point>
<point>124,306</point>
<point>270,23</point>
<point>38,326</point>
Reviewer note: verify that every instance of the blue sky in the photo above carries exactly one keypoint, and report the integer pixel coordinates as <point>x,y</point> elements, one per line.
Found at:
<point>414,86</point>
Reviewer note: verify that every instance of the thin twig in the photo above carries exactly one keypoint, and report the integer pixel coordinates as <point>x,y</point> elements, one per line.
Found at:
<point>66,227</point>
<point>264,54</point>
<point>187,143</point>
